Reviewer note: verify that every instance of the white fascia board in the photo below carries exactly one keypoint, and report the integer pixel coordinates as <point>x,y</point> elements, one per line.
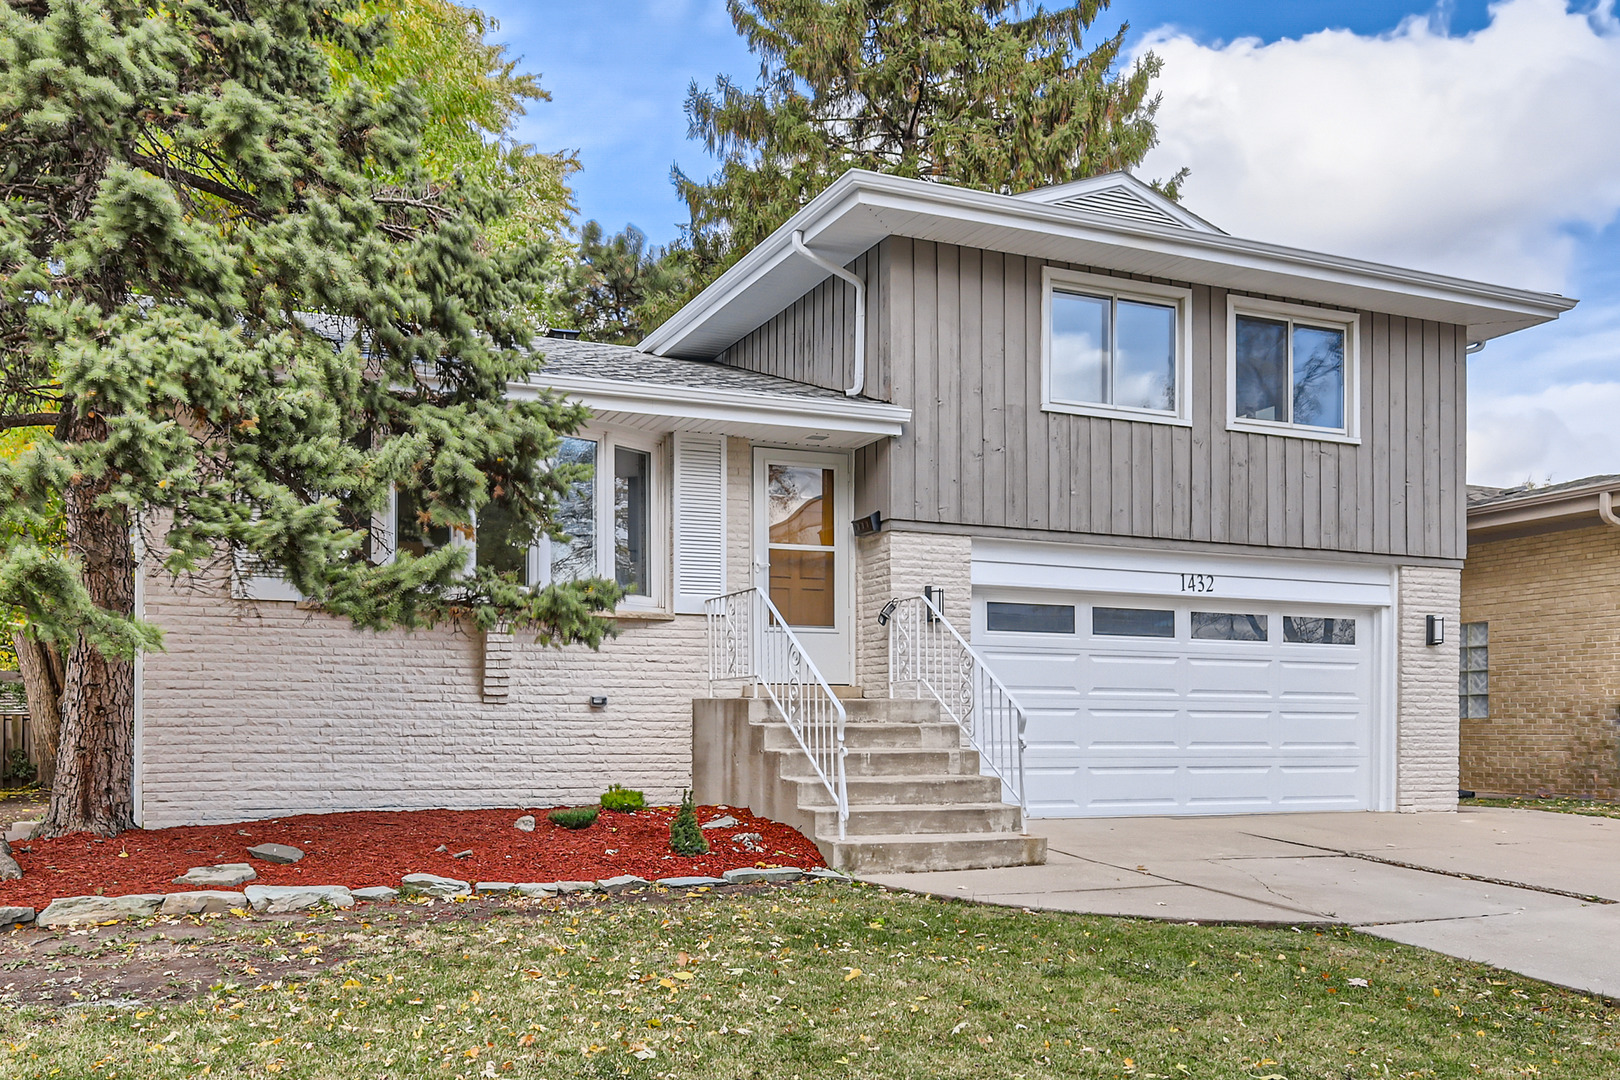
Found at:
<point>868,420</point>
<point>861,208</point>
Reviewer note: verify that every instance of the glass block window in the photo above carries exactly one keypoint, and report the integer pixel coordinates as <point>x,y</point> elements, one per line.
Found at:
<point>1473,681</point>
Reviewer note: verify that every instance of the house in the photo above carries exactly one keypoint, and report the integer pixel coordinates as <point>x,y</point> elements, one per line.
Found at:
<point>1188,510</point>
<point>1539,695</point>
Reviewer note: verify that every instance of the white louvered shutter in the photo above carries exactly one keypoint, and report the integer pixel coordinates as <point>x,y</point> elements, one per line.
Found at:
<point>700,520</point>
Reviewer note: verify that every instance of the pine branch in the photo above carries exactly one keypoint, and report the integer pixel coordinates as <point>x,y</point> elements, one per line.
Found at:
<point>29,420</point>
<point>164,169</point>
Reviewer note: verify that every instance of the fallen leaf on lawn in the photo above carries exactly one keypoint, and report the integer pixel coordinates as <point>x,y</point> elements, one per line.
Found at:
<point>685,976</point>
<point>854,973</point>
<point>958,1028</point>
<point>1359,982</point>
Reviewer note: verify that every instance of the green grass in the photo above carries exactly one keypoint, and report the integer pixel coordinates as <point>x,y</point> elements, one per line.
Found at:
<point>1558,805</point>
<point>809,981</point>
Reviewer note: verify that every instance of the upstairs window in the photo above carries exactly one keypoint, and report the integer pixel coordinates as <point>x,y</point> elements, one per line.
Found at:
<point>1292,370</point>
<point>1115,347</point>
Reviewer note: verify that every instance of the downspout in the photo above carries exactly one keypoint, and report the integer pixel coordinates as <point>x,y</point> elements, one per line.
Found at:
<point>860,308</point>
<point>1606,509</point>
<point>1473,347</point>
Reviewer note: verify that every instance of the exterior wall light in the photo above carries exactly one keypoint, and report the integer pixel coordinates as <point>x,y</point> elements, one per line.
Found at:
<point>935,594</point>
<point>598,701</point>
<point>1435,630</point>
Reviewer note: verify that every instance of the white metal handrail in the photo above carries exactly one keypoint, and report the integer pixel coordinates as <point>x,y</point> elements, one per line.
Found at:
<point>926,651</point>
<point>750,642</point>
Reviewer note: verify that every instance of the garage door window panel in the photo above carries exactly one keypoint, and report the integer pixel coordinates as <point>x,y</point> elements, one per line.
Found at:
<point>1298,630</point>
<point>1009,618</point>
<point>1228,626</point>
<point>1133,622</point>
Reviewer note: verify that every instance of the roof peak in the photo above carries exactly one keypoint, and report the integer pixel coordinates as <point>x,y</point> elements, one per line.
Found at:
<point>1120,195</point>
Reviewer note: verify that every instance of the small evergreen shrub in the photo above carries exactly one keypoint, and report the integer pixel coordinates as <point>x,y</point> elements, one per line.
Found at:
<point>685,838</point>
<point>622,799</point>
<point>575,817</point>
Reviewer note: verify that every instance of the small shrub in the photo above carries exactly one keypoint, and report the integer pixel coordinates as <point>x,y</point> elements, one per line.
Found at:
<point>622,799</point>
<point>19,769</point>
<point>685,838</point>
<point>575,817</point>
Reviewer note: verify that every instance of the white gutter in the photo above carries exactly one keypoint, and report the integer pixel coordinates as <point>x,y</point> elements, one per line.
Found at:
<point>859,385</point>
<point>1606,508</point>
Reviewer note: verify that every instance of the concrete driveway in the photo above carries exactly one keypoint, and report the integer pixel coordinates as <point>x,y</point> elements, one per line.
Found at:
<point>1525,890</point>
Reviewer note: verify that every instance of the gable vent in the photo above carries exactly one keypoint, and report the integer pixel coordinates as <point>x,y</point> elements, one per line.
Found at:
<point>1121,203</point>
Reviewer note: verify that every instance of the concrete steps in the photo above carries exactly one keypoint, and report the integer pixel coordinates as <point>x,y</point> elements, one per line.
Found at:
<point>917,799</point>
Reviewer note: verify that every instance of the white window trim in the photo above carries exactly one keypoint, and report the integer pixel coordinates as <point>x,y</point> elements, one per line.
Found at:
<point>1326,318</point>
<point>1055,278</point>
<point>656,600</point>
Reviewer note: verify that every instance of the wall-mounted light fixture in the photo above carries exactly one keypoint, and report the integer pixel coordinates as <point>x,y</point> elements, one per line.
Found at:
<point>887,613</point>
<point>598,701</point>
<point>935,595</point>
<point>870,524</point>
<point>1434,630</point>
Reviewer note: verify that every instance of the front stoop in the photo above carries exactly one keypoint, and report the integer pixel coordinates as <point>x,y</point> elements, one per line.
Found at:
<point>917,800</point>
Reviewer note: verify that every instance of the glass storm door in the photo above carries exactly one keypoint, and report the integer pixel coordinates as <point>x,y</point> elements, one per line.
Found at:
<point>803,505</point>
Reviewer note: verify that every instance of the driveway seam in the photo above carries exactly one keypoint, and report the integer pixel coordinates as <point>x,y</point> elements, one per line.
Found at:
<point>1504,882</point>
<point>1291,906</point>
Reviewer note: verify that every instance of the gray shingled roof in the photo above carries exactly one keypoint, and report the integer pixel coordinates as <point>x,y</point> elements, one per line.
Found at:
<point>624,363</point>
<point>1482,496</point>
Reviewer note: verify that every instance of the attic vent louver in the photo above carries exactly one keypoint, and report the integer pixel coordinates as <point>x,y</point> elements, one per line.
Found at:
<point>1123,203</point>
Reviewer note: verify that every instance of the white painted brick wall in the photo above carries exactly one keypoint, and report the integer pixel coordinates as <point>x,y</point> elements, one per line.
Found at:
<point>1426,762</point>
<point>893,564</point>
<point>261,709</point>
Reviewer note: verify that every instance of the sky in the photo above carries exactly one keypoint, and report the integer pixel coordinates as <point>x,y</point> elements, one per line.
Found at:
<point>1474,139</point>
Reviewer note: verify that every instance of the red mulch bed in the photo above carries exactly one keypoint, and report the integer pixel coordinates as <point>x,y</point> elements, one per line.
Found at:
<point>380,847</point>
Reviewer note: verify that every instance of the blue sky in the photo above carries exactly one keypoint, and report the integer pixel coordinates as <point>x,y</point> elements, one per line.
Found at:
<point>1467,138</point>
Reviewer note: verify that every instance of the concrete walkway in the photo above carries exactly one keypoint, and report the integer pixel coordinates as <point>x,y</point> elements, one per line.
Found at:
<point>1525,890</point>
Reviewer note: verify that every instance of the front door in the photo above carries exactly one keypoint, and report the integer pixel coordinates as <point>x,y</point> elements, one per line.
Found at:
<point>802,542</point>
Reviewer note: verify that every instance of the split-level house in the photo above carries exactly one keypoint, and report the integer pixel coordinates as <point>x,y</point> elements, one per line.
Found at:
<point>1188,511</point>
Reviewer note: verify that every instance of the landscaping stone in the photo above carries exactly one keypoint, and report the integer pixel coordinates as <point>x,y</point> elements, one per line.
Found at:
<point>566,887</point>
<point>5,847</point>
<point>376,892</point>
<point>202,902</point>
<point>10,916</point>
<point>276,853</point>
<point>536,889</point>
<point>749,841</point>
<point>461,854</point>
<point>433,885</point>
<point>66,910</point>
<point>493,887</point>
<point>780,874</point>
<point>9,870</point>
<point>223,876</point>
<point>21,831</point>
<point>690,882</point>
<point>274,899</point>
<point>821,873</point>
<point>622,883</point>
<point>524,823</point>
<point>743,875</point>
<point>727,822</point>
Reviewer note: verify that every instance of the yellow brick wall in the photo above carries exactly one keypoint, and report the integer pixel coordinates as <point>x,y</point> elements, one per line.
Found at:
<point>1553,604</point>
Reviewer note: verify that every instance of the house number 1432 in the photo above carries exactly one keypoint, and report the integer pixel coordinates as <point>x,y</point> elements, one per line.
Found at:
<point>1199,583</point>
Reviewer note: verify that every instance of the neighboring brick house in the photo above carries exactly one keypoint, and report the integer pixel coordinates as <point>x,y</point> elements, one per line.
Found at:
<point>1192,498</point>
<point>1540,687</point>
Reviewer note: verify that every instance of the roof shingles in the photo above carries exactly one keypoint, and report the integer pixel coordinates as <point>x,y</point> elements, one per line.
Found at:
<point>624,363</point>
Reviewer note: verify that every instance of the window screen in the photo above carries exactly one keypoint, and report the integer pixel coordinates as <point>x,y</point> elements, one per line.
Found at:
<point>1029,618</point>
<point>1473,681</point>
<point>1133,622</point>
<point>1225,626</point>
<point>1318,631</point>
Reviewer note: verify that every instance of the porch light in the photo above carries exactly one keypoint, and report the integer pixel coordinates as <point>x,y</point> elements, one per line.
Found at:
<point>868,525</point>
<point>1435,630</point>
<point>599,701</point>
<point>935,595</point>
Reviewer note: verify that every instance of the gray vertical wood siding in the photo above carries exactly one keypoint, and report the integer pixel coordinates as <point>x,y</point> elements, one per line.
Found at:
<point>955,335</point>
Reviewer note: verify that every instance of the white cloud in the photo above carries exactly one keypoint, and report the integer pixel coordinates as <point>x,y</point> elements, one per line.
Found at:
<point>1560,433</point>
<point>1485,155</point>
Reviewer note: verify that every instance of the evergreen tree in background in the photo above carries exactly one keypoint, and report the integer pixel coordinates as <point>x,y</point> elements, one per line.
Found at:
<point>619,288</point>
<point>246,312</point>
<point>999,95</point>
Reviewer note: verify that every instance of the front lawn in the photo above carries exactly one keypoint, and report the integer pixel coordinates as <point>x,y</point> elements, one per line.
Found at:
<point>1557,804</point>
<point>804,981</point>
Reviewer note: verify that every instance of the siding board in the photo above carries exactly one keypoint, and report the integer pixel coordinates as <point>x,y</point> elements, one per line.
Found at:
<point>993,352</point>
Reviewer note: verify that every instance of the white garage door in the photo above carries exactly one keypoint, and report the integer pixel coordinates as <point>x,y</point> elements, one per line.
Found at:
<point>1156,705</point>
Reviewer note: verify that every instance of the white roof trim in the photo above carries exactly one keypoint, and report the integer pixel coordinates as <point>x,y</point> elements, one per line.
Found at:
<point>843,422</point>
<point>861,208</point>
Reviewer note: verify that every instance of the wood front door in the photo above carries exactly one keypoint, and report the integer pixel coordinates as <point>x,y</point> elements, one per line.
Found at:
<point>802,541</point>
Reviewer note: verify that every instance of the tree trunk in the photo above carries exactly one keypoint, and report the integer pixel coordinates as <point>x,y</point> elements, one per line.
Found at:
<point>41,669</point>
<point>94,790</point>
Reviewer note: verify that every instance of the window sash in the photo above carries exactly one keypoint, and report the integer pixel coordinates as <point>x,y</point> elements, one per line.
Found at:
<point>1106,375</point>
<point>1304,332</point>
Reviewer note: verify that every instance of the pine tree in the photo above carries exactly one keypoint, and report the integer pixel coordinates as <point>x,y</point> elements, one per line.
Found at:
<point>246,314</point>
<point>991,94</point>
<point>685,835</point>
<point>620,288</point>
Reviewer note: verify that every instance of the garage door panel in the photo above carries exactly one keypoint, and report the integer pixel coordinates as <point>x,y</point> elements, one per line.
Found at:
<point>1140,788</point>
<point>1147,729</point>
<point>1323,731</point>
<point>1228,729</point>
<point>1229,787</point>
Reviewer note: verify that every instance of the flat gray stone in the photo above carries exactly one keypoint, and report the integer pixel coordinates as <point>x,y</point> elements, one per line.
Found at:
<point>10,916</point>
<point>622,883</point>
<point>524,823</point>
<point>5,847</point>
<point>727,822</point>
<point>274,899</point>
<point>202,902</point>
<point>782,873</point>
<point>9,870</point>
<point>67,910</point>
<point>223,876</point>
<point>821,873</point>
<point>690,882</point>
<point>376,892</point>
<point>493,887</point>
<point>433,885</point>
<point>566,887</point>
<point>536,889</point>
<point>743,875</point>
<point>276,853</point>
<point>21,831</point>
